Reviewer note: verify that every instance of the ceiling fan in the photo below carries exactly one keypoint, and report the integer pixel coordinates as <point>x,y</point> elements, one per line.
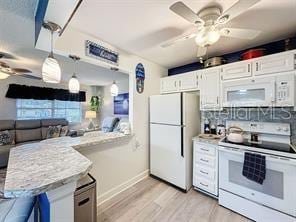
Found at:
<point>209,21</point>
<point>9,71</point>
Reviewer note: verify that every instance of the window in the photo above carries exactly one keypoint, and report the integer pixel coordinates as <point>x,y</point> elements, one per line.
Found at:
<point>42,109</point>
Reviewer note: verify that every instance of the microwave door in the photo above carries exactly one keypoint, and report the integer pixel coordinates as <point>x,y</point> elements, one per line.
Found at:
<point>249,93</point>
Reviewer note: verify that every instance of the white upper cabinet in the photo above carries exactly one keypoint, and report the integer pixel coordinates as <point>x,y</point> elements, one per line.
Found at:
<point>180,83</point>
<point>236,70</point>
<point>280,62</point>
<point>210,89</point>
<point>189,81</point>
<point>169,84</point>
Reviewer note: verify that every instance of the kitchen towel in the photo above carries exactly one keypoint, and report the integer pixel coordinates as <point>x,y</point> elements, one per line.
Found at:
<point>254,167</point>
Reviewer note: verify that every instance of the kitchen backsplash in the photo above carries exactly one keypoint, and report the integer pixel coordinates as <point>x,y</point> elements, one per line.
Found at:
<point>283,115</point>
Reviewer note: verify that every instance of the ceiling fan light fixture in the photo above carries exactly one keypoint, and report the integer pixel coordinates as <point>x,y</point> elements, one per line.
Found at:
<point>223,19</point>
<point>3,75</point>
<point>208,36</point>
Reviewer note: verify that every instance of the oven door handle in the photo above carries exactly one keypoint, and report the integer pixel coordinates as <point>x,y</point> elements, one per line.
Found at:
<point>284,160</point>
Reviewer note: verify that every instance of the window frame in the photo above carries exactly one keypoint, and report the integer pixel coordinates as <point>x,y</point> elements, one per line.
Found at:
<point>53,107</point>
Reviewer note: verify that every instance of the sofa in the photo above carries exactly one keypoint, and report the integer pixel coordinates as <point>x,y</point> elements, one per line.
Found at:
<point>25,131</point>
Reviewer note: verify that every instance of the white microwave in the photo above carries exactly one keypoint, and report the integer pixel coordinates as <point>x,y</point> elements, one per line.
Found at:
<point>266,91</point>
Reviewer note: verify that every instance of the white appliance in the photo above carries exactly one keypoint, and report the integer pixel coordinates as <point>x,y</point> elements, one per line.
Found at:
<point>174,121</point>
<point>275,199</point>
<point>272,90</point>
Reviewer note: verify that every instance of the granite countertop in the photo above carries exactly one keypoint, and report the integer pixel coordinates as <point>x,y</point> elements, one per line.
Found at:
<point>213,140</point>
<point>89,139</point>
<point>38,167</point>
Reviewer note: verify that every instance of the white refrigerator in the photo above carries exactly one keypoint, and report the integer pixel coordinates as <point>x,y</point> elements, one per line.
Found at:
<point>174,120</point>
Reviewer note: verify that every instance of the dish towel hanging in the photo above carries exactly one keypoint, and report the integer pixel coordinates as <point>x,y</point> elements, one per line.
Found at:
<point>254,167</point>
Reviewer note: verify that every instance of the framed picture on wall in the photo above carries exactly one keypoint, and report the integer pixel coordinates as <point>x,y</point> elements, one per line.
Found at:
<point>121,104</point>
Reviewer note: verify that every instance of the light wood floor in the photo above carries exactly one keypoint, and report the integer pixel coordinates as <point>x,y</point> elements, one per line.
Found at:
<point>155,201</point>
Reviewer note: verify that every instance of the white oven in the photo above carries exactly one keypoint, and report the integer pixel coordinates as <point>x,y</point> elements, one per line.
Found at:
<point>278,189</point>
<point>264,91</point>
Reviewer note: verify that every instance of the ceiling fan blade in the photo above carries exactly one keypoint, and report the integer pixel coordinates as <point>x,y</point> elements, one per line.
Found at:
<point>239,33</point>
<point>4,55</point>
<point>238,8</point>
<point>184,11</point>
<point>31,76</point>
<point>21,70</point>
<point>201,51</point>
<point>179,39</point>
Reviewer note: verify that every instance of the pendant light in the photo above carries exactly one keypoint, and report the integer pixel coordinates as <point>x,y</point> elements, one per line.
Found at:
<point>51,71</point>
<point>114,89</point>
<point>74,85</point>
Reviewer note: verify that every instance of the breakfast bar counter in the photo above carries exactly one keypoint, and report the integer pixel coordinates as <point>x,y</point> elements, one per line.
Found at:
<point>37,168</point>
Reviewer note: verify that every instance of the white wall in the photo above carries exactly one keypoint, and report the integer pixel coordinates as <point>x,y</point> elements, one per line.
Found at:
<point>137,152</point>
<point>8,106</point>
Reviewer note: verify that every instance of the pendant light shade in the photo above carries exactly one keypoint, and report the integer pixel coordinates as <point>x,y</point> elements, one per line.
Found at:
<point>51,71</point>
<point>3,75</point>
<point>114,89</point>
<point>74,85</point>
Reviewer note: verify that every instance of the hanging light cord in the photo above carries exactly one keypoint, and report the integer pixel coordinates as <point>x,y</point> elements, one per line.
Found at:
<point>51,45</point>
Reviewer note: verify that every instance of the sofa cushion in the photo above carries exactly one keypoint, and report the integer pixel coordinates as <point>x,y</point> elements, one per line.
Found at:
<point>4,155</point>
<point>6,138</point>
<point>27,124</point>
<point>27,135</point>
<point>7,124</point>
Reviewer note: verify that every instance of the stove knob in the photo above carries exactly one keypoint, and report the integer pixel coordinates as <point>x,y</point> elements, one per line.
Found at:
<point>278,129</point>
<point>285,129</point>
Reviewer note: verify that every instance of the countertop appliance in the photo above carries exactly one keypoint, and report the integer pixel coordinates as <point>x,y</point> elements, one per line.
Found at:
<point>274,90</point>
<point>85,200</point>
<point>275,199</point>
<point>174,121</point>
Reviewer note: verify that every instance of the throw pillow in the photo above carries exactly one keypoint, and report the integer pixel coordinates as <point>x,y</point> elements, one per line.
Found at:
<point>5,138</point>
<point>64,131</point>
<point>53,131</point>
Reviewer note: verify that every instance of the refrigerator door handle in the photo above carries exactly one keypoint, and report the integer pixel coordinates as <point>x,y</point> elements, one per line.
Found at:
<point>182,143</point>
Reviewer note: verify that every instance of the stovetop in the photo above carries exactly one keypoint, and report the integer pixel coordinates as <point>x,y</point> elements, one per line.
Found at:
<point>267,146</point>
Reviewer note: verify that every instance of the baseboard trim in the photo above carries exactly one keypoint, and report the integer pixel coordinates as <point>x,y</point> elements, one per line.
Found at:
<point>122,187</point>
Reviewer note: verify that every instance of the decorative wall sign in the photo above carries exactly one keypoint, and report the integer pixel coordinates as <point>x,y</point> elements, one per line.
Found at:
<point>99,52</point>
<point>140,77</point>
<point>121,103</point>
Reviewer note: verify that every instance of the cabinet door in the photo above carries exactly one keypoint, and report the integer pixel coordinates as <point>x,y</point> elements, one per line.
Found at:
<point>280,62</point>
<point>189,81</point>
<point>168,84</point>
<point>210,90</point>
<point>236,70</point>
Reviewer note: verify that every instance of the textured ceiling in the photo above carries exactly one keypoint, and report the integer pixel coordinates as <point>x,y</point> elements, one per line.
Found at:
<point>141,26</point>
<point>17,30</point>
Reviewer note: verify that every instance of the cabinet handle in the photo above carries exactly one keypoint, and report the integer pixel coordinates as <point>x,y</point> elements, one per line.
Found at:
<point>205,149</point>
<point>248,67</point>
<point>203,160</point>
<point>175,83</point>
<point>221,69</point>
<point>203,172</point>
<point>205,185</point>
<point>257,66</point>
<point>217,100</point>
<point>180,83</point>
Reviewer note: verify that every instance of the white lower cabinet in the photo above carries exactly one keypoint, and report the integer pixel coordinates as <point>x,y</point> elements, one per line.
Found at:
<point>205,167</point>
